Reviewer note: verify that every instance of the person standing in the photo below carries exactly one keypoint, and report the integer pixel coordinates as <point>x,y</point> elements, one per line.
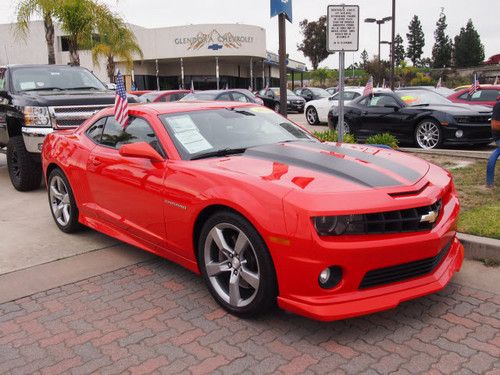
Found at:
<point>495,123</point>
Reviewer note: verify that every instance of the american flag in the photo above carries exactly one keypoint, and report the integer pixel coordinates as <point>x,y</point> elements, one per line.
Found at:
<point>475,85</point>
<point>121,103</point>
<point>439,84</point>
<point>369,87</point>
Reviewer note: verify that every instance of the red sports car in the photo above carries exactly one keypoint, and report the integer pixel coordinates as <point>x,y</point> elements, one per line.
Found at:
<point>163,96</point>
<point>263,210</point>
<point>485,95</point>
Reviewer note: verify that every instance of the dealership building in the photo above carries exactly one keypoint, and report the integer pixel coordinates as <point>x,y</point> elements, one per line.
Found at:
<point>210,55</point>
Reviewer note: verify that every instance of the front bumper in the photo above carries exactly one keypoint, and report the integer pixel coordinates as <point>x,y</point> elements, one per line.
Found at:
<point>472,134</point>
<point>34,137</point>
<point>296,107</point>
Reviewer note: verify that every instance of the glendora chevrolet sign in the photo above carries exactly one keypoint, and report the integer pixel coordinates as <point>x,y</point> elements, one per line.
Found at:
<point>214,40</point>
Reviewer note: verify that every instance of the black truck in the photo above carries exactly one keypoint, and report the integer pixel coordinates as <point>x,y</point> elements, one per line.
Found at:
<point>36,100</point>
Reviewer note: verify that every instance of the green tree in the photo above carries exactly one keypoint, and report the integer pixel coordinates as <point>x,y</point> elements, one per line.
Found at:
<point>364,58</point>
<point>443,47</point>
<point>27,9</point>
<point>80,19</point>
<point>321,75</point>
<point>469,51</point>
<point>313,45</point>
<point>416,41</point>
<point>116,41</point>
<point>378,69</point>
<point>399,50</point>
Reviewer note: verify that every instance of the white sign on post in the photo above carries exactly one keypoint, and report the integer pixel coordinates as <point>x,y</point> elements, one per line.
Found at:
<point>343,28</point>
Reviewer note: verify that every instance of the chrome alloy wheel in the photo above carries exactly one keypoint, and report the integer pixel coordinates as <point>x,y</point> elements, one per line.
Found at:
<point>60,201</point>
<point>428,135</point>
<point>231,265</point>
<point>312,116</point>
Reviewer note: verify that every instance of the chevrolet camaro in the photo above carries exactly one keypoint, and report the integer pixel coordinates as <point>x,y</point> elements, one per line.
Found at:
<point>260,208</point>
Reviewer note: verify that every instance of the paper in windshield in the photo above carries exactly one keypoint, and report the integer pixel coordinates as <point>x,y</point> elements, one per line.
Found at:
<point>188,134</point>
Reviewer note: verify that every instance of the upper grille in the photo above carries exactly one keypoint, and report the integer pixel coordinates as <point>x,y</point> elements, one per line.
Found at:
<point>405,271</point>
<point>484,119</point>
<point>409,220</point>
<point>73,116</point>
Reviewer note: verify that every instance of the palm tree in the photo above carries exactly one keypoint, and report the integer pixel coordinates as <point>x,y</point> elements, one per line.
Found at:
<point>116,41</point>
<point>26,9</point>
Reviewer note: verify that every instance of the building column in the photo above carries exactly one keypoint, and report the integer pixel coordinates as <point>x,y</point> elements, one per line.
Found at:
<point>217,71</point>
<point>269,76</point>
<point>157,75</point>
<point>293,80</point>
<point>301,79</point>
<point>251,74</point>
<point>182,73</point>
<point>263,74</point>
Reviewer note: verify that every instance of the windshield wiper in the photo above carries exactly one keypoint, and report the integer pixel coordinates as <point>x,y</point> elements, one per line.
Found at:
<point>221,152</point>
<point>420,105</point>
<point>44,89</point>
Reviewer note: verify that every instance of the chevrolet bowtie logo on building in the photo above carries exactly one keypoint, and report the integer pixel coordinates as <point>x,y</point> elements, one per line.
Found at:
<point>430,218</point>
<point>214,41</point>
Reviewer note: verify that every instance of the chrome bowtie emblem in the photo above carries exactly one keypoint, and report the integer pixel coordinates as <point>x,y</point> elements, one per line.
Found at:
<point>430,218</point>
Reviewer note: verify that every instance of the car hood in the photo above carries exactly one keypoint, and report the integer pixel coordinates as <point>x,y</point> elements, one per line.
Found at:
<point>457,109</point>
<point>64,98</point>
<point>322,167</point>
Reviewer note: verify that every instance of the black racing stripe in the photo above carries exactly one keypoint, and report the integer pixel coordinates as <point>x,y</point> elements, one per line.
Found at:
<point>346,169</point>
<point>396,168</point>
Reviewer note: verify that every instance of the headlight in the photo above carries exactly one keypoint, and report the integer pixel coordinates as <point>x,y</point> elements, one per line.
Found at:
<point>288,102</point>
<point>36,116</point>
<point>337,225</point>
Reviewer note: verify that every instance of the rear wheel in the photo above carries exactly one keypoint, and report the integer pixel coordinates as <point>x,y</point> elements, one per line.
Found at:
<point>236,265</point>
<point>24,172</point>
<point>62,202</point>
<point>312,116</point>
<point>428,134</point>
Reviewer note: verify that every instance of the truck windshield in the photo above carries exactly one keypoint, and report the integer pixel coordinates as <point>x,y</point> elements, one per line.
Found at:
<point>54,78</point>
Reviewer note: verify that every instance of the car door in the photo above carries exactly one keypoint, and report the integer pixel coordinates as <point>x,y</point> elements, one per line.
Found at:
<point>128,191</point>
<point>377,118</point>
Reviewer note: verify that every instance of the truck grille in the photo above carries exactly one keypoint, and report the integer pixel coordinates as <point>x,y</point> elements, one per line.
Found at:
<point>409,220</point>
<point>73,116</point>
<point>404,271</point>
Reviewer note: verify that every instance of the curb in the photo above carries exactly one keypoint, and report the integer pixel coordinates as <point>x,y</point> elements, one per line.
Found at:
<point>482,155</point>
<point>480,247</point>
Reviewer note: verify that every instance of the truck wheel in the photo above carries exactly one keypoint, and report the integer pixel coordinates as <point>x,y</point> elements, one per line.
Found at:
<point>25,173</point>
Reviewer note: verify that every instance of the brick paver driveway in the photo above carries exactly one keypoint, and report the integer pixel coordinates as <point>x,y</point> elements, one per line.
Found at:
<point>157,317</point>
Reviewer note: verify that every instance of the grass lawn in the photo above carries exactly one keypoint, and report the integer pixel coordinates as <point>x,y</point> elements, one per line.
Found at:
<point>480,214</point>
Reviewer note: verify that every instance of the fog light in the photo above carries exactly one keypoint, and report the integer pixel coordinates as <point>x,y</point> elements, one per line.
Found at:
<point>459,133</point>
<point>330,277</point>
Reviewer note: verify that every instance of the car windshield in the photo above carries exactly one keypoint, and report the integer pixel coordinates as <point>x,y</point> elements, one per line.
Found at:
<point>199,96</point>
<point>54,78</point>
<point>421,97</point>
<point>204,133</point>
<point>288,92</point>
<point>148,97</point>
<point>322,93</point>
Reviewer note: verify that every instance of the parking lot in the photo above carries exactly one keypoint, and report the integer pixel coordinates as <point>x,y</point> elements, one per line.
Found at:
<point>146,315</point>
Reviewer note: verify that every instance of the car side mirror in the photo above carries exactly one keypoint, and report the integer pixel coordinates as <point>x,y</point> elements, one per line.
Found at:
<point>140,150</point>
<point>393,106</point>
<point>4,94</point>
<point>331,98</point>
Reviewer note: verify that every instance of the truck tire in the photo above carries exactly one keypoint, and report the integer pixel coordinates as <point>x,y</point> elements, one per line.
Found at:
<point>24,172</point>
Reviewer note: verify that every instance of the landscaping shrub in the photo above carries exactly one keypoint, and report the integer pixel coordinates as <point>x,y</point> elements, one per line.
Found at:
<point>383,139</point>
<point>332,136</point>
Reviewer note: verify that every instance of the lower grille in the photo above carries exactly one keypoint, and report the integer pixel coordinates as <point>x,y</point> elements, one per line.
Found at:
<point>402,272</point>
<point>73,116</point>
<point>485,119</point>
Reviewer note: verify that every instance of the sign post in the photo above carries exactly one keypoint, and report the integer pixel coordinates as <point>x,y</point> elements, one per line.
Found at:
<point>342,35</point>
<point>282,9</point>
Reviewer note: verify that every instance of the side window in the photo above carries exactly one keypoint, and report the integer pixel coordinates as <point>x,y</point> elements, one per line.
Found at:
<point>2,78</point>
<point>138,130</point>
<point>94,132</point>
<point>262,92</point>
<point>226,97</point>
<point>489,95</point>
<point>476,97</point>
<point>165,98</point>
<point>380,101</point>
<point>464,96</point>
<point>298,92</point>
<point>239,97</point>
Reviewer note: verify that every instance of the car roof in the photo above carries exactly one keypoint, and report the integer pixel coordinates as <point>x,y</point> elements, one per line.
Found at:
<point>166,92</point>
<point>179,107</point>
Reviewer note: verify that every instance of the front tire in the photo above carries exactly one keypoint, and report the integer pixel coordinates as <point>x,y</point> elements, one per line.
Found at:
<point>236,265</point>
<point>62,202</point>
<point>312,116</point>
<point>277,107</point>
<point>24,172</point>
<point>428,135</point>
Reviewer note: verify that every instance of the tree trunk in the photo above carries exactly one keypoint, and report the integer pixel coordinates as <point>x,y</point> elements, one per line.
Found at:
<point>110,67</point>
<point>74,57</point>
<point>49,37</point>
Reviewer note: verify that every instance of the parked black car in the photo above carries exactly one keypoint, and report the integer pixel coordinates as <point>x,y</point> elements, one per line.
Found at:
<point>36,100</point>
<point>271,98</point>
<point>231,95</point>
<point>312,93</point>
<point>421,117</point>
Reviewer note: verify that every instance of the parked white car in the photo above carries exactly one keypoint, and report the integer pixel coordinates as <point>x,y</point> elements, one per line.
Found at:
<point>316,111</point>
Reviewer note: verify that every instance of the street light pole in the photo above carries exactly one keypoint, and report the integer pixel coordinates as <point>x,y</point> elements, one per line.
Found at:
<point>379,22</point>
<point>379,27</point>
<point>393,32</point>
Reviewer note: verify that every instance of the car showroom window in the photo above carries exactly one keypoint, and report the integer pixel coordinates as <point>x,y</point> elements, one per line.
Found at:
<point>94,132</point>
